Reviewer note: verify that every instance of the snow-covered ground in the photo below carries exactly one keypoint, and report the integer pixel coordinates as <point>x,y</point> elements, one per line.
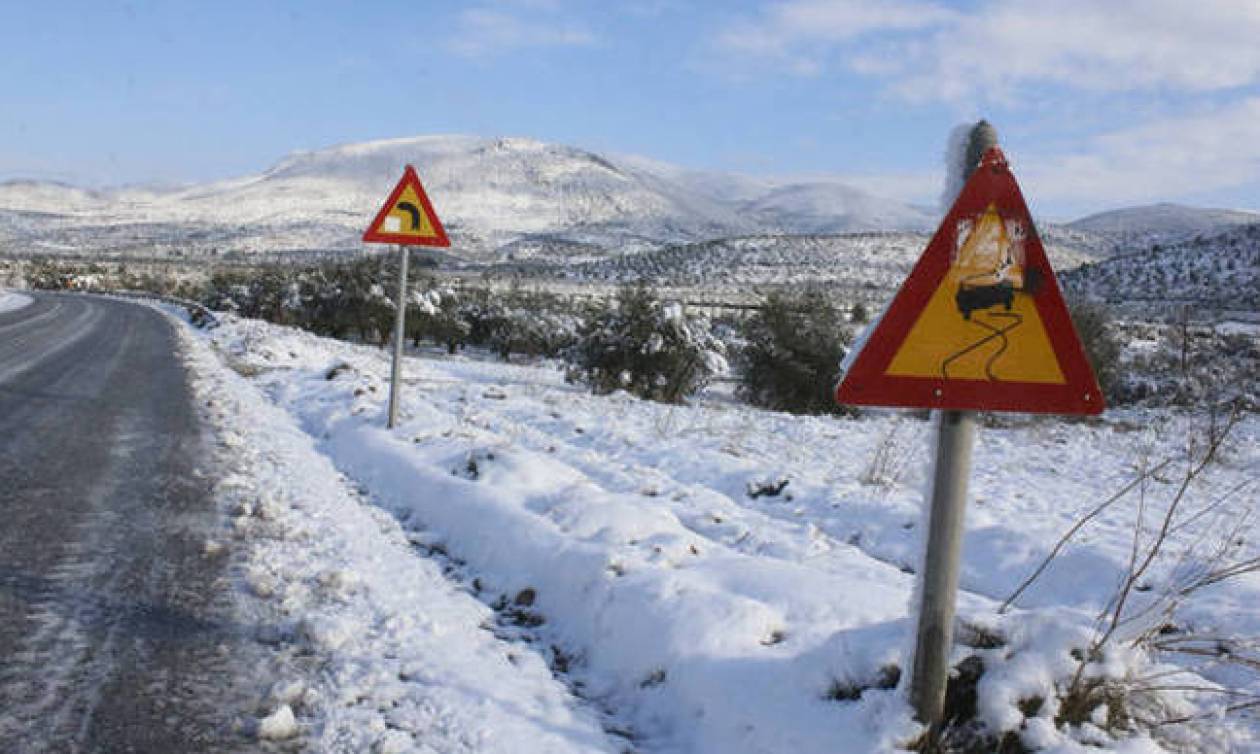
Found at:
<point>522,566</point>
<point>376,650</point>
<point>11,301</point>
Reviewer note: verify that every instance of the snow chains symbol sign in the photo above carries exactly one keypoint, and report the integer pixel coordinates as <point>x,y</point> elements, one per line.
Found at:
<point>980,323</point>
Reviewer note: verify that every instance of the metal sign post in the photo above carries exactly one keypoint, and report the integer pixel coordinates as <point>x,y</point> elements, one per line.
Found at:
<point>951,469</point>
<point>407,219</point>
<point>400,333</point>
<point>979,325</point>
<point>956,434</point>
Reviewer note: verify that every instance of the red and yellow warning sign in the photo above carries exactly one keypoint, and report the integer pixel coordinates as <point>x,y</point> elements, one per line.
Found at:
<point>980,324</point>
<point>407,217</point>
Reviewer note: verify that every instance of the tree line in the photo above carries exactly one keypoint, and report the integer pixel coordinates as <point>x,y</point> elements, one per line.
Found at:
<point>784,357</point>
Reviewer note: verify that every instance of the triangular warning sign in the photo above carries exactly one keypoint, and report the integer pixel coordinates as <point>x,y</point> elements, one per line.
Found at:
<point>980,324</point>
<point>407,217</point>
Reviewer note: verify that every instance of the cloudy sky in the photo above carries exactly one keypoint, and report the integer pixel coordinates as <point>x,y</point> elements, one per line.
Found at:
<point>1100,103</point>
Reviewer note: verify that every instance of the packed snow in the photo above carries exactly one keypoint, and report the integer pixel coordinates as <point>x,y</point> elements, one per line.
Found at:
<point>522,566</point>
<point>11,301</point>
<point>376,649</point>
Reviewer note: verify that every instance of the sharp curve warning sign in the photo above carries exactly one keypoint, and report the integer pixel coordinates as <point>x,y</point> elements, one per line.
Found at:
<point>980,324</point>
<point>407,217</point>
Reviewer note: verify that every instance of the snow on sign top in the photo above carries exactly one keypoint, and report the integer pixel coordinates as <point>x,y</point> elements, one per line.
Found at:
<point>980,324</point>
<point>407,217</point>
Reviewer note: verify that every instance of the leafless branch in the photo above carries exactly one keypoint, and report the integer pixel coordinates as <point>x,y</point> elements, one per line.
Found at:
<point>1080,523</point>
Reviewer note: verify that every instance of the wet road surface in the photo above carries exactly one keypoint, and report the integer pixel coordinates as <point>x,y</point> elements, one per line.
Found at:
<point>116,631</point>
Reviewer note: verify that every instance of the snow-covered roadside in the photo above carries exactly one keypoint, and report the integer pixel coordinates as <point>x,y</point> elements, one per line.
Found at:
<point>375,649</point>
<point>11,301</point>
<point>710,606</point>
<point>694,645</point>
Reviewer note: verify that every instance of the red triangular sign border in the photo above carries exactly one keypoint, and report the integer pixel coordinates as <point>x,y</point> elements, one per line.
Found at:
<point>866,382</point>
<point>376,233</point>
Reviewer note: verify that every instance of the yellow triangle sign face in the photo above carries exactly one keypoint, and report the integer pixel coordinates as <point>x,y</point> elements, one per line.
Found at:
<point>957,336</point>
<point>980,323</point>
<point>407,217</point>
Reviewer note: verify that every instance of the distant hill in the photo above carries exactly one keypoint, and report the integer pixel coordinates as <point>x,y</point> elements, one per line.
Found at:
<point>1169,221</point>
<point>497,197</point>
<point>833,208</point>
<point>868,266</point>
<point>1216,272</point>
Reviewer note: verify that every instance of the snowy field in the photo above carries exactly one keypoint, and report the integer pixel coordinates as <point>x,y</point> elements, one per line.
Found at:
<point>522,566</point>
<point>11,301</point>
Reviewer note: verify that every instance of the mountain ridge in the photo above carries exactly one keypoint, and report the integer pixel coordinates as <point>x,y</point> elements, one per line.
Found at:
<point>491,193</point>
<point>1164,219</point>
<point>501,199</point>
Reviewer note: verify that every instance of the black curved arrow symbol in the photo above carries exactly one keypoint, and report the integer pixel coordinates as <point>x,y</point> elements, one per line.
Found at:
<point>414,210</point>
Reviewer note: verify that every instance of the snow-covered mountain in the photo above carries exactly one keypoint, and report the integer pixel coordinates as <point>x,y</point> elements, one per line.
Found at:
<point>1167,221</point>
<point>495,196</point>
<point>834,208</point>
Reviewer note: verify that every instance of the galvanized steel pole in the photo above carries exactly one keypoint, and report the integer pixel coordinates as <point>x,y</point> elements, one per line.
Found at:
<point>956,432</point>
<point>952,467</point>
<point>400,331</point>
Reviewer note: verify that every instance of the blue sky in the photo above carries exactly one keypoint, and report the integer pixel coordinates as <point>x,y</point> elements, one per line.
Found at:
<point>1099,103</point>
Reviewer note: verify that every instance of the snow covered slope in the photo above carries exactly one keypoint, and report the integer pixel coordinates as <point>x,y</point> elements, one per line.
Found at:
<point>834,208</point>
<point>871,263</point>
<point>1221,271</point>
<point>11,301</point>
<point>490,194</point>
<point>1165,220</point>
<point>633,547</point>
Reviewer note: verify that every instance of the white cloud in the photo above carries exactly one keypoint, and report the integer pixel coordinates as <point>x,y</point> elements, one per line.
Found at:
<point>1091,45</point>
<point>1087,56</point>
<point>486,31</point>
<point>799,32</point>
<point>1000,47</point>
<point>1177,157</point>
<point>649,8</point>
<point>1180,158</point>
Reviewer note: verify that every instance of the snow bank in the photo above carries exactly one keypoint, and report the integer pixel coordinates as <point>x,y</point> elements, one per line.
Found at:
<point>386,653</point>
<point>11,301</point>
<point>716,578</point>
<point>697,645</point>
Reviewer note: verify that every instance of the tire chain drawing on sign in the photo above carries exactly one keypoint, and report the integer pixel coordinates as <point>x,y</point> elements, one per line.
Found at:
<point>988,274</point>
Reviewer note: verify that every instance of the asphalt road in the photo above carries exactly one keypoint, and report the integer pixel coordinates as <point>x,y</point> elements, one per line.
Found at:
<point>116,631</point>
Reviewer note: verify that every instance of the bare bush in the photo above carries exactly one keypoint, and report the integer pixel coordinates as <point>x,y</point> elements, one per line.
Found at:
<point>1143,614</point>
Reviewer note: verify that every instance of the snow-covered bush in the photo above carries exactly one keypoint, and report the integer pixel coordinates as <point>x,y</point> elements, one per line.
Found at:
<point>439,318</point>
<point>534,333</point>
<point>518,322</point>
<point>646,348</point>
<point>47,274</point>
<point>1191,364</point>
<point>792,358</point>
<point>337,299</point>
<point>1115,679</point>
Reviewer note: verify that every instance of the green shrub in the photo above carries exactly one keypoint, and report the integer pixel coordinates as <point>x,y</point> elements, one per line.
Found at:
<point>1092,320</point>
<point>792,358</point>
